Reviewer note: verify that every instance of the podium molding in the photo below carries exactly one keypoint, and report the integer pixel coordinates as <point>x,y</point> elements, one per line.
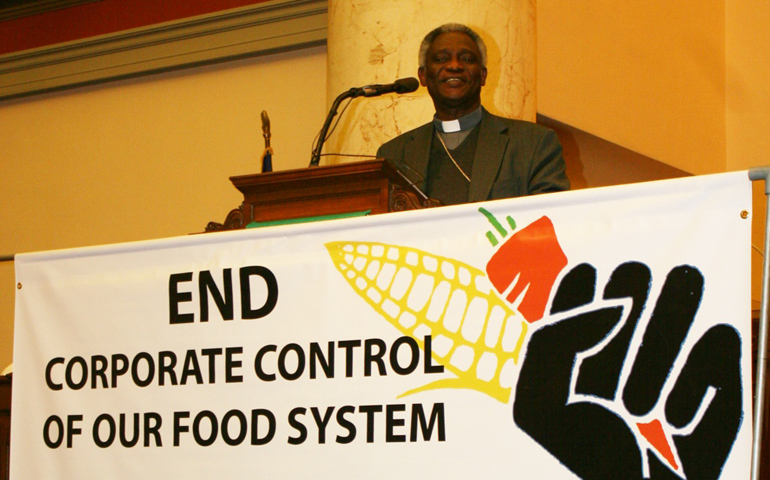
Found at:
<point>373,185</point>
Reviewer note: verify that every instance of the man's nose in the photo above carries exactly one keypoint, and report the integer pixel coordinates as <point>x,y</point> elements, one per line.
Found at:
<point>455,64</point>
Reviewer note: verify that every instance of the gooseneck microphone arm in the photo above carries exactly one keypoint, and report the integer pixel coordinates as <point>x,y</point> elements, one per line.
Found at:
<point>316,157</point>
<point>404,85</point>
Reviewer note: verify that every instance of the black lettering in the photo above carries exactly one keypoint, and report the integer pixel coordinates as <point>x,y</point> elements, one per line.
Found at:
<point>166,365</point>
<point>178,427</point>
<point>346,424</point>
<point>72,430</point>
<point>152,423</point>
<point>49,381</point>
<point>371,357</point>
<point>391,422</point>
<point>300,361</point>
<point>415,358</point>
<point>99,370</point>
<point>256,414</point>
<point>224,303</point>
<point>212,353</point>
<point>150,370</point>
<point>298,426</point>
<point>247,313</point>
<point>80,361</point>
<point>322,422</point>
<point>175,297</point>
<point>110,422</point>
<point>348,346</point>
<point>242,428</point>
<point>213,425</point>
<point>265,377</point>
<point>317,357</point>
<point>58,439</point>
<point>124,440</point>
<point>429,367</point>
<point>231,364</point>
<point>419,423</point>
<point>119,367</point>
<point>191,368</point>
<point>370,410</point>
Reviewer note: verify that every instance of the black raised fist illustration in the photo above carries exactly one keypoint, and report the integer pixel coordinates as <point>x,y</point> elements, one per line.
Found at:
<point>574,399</point>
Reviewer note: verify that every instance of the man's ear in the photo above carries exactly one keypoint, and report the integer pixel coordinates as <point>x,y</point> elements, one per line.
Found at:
<point>483,76</point>
<point>421,76</point>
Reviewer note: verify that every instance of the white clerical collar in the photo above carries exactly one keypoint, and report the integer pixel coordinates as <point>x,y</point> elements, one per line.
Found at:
<point>462,124</point>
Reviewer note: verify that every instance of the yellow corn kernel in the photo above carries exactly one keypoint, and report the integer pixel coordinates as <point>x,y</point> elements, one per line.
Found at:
<point>476,335</point>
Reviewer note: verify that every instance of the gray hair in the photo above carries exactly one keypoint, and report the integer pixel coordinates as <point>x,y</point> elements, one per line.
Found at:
<point>446,28</point>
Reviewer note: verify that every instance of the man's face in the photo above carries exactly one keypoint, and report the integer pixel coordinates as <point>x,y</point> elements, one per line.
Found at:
<point>453,75</point>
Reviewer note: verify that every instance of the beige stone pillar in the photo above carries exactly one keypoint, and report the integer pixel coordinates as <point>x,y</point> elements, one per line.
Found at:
<point>375,41</point>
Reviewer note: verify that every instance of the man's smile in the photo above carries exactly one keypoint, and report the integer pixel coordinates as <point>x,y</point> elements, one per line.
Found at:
<point>454,81</point>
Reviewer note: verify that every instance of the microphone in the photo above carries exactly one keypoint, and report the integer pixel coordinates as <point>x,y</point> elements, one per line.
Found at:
<point>402,85</point>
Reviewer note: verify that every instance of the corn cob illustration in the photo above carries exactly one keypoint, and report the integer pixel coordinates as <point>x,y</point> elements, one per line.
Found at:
<point>476,335</point>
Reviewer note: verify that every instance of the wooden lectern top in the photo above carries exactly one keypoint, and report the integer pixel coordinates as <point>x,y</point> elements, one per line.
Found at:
<point>373,185</point>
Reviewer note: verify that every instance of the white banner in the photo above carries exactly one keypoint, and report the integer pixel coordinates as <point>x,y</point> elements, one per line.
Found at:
<point>599,333</point>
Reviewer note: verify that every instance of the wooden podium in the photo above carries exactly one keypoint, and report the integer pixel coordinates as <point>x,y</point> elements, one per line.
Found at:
<point>374,186</point>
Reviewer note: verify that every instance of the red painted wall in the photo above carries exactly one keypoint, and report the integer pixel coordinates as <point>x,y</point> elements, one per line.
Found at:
<point>99,18</point>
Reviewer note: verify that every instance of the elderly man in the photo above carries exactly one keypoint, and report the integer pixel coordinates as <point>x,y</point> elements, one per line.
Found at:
<point>466,154</point>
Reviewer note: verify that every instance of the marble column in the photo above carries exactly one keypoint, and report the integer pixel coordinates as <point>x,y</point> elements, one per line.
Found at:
<point>375,41</point>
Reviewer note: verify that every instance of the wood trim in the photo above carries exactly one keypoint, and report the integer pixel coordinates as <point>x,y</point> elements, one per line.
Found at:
<point>263,28</point>
<point>370,185</point>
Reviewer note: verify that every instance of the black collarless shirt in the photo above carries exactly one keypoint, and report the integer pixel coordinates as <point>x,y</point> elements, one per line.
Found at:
<point>445,182</point>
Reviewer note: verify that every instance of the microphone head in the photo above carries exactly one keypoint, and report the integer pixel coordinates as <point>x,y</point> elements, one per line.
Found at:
<point>406,85</point>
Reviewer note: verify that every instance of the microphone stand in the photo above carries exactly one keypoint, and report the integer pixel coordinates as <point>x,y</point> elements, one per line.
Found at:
<point>404,85</point>
<point>316,157</point>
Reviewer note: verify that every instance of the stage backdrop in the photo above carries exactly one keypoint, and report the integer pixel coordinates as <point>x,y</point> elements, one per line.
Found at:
<point>598,333</point>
